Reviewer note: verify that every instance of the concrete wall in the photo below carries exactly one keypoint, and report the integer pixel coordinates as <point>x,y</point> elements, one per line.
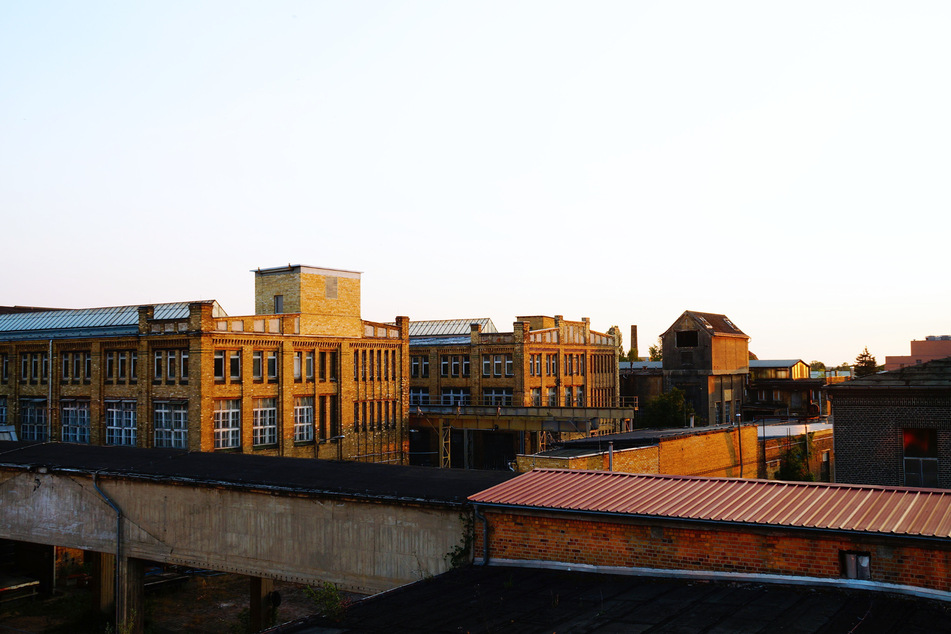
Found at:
<point>363,546</point>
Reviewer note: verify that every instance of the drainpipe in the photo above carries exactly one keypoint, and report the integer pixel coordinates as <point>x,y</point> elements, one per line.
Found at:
<point>485,534</point>
<point>611,456</point>
<point>118,591</point>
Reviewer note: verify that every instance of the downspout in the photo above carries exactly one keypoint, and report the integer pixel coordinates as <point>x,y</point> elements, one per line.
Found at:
<point>118,592</point>
<point>485,534</point>
<point>49,392</point>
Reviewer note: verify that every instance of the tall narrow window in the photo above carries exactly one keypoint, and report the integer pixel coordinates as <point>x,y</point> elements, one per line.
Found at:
<point>265,421</point>
<point>257,365</point>
<point>272,366</point>
<point>920,457</point>
<point>235,365</point>
<point>278,304</point>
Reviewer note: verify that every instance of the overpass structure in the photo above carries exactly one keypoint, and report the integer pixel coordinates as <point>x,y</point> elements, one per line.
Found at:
<point>365,527</point>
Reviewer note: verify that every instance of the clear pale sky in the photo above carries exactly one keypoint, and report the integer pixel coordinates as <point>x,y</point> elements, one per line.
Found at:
<point>785,165</point>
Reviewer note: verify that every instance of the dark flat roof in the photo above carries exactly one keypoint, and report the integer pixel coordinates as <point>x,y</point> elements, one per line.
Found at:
<point>304,475</point>
<point>510,599</point>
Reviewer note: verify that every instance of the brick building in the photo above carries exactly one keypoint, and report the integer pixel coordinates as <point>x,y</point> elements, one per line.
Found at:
<point>707,357</point>
<point>749,530</point>
<point>929,349</point>
<point>894,428</point>
<point>304,376</point>
<point>478,397</point>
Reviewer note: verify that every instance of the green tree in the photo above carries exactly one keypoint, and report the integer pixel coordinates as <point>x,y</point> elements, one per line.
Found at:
<point>632,355</point>
<point>656,352</point>
<point>865,364</point>
<point>667,410</point>
<point>817,366</point>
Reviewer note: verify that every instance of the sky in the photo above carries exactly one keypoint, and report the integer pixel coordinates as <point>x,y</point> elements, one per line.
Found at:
<point>785,164</point>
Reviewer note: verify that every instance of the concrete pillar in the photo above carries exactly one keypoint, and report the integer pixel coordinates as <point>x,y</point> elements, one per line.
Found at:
<point>262,603</point>
<point>131,613</point>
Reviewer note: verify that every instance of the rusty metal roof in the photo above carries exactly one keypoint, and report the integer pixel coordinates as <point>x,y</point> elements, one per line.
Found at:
<point>900,511</point>
<point>449,327</point>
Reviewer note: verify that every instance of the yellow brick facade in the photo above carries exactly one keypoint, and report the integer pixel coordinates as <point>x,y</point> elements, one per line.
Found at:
<point>272,384</point>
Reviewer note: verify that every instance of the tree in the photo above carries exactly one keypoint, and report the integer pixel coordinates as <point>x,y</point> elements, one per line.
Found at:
<point>667,410</point>
<point>817,366</point>
<point>656,352</point>
<point>865,364</point>
<point>632,355</point>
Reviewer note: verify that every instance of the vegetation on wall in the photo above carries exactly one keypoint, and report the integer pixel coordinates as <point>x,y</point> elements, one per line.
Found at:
<point>670,409</point>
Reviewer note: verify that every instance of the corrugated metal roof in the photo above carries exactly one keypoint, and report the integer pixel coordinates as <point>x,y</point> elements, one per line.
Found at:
<point>449,327</point>
<point>88,318</point>
<point>774,363</point>
<point>440,341</point>
<point>873,509</point>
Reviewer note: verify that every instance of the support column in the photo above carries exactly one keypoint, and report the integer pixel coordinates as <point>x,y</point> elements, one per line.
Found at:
<point>445,442</point>
<point>263,603</point>
<point>131,612</point>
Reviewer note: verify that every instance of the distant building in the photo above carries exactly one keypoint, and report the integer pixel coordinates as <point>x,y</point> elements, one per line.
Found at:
<point>894,428</point>
<point>478,397</point>
<point>304,376</point>
<point>933,347</point>
<point>707,357</point>
<point>783,388</point>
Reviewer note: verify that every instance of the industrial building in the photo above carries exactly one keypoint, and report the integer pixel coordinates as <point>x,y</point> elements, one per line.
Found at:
<point>304,376</point>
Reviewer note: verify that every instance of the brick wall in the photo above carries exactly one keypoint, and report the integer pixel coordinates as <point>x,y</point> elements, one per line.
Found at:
<point>629,542</point>
<point>868,435</point>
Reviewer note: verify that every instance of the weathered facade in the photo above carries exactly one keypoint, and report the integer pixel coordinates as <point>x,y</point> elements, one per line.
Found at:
<point>478,397</point>
<point>783,388</point>
<point>707,357</point>
<point>304,376</point>
<point>894,428</point>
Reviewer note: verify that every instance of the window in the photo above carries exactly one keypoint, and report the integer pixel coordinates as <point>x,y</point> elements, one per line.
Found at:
<point>856,565</point>
<point>298,365</point>
<point>332,366</point>
<point>184,366</point>
<point>64,375</point>
<point>688,339</point>
<point>159,366</point>
<point>419,396</point>
<point>486,365</point>
<point>323,366</point>
<point>3,410</point>
<point>33,423</point>
<point>219,365</point>
<point>227,423</point>
<point>309,366</point>
<point>497,364</point>
<point>444,365</point>
<point>536,397</point>
<point>567,397</point>
<point>75,421</point>
<point>257,365</point>
<point>497,396</point>
<point>453,365</point>
<point>568,364</point>
<point>123,365</point>
<point>172,365</point>
<point>920,457</point>
<point>235,365</point>
<point>171,424</point>
<point>552,397</point>
<point>272,366</point>
<point>265,421</point>
<point>5,367</point>
<point>419,366</point>
<point>304,419</point>
<point>455,396</point>
<point>278,304</point>
<point>120,423</point>
<point>322,424</point>
<point>110,366</point>
<point>579,396</point>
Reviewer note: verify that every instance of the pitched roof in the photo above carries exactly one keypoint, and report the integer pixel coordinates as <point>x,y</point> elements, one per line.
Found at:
<point>843,507</point>
<point>931,375</point>
<point>86,322</point>
<point>774,363</point>
<point>714,323</point>
<point>437,327</point>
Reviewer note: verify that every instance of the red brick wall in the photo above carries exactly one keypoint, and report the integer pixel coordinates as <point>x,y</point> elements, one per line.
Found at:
<point>632,543</point>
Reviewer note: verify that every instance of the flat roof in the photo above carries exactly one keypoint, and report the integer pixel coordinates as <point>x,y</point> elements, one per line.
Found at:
<point>897,511</point>
<point>520,599</point>
<point>304,475</point>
